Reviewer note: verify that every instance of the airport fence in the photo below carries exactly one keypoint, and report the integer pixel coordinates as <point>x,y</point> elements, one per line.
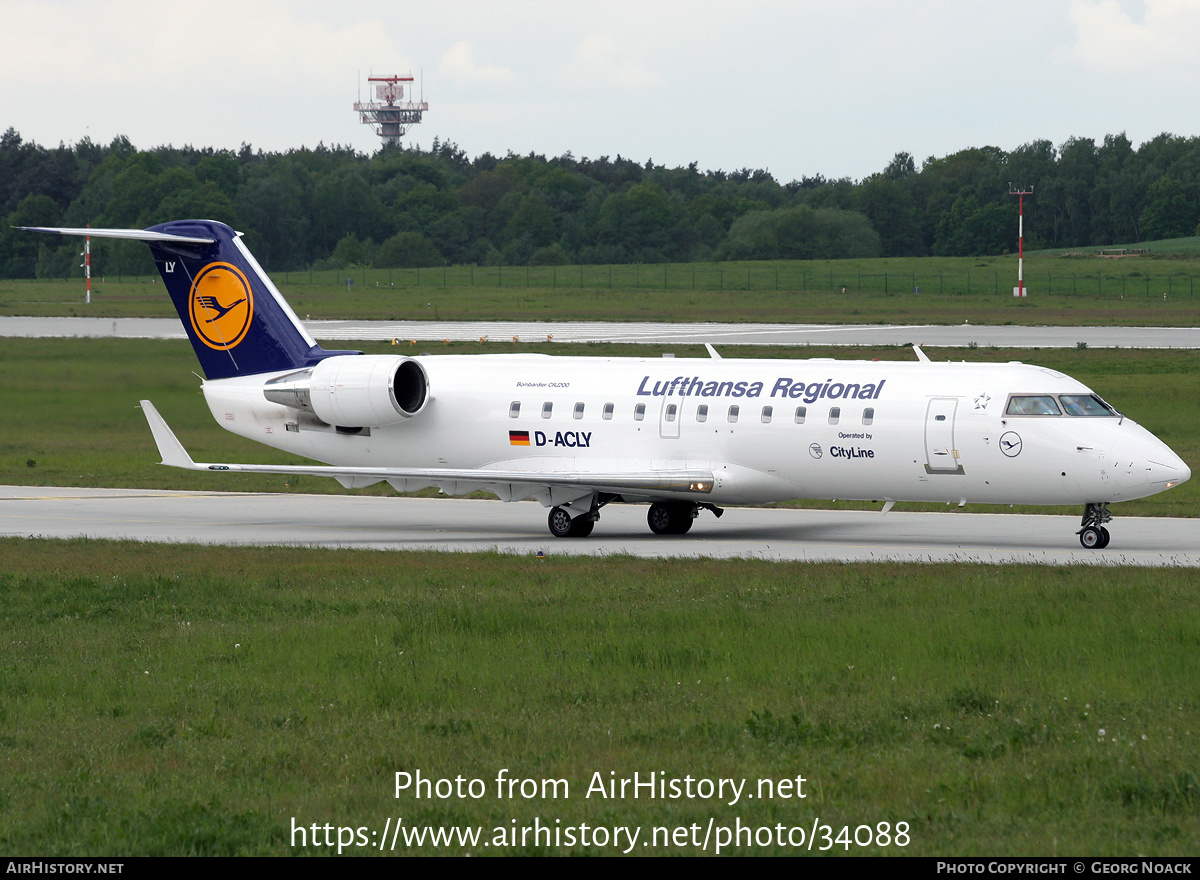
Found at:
<point>735,277</point>
<point>741,277</point>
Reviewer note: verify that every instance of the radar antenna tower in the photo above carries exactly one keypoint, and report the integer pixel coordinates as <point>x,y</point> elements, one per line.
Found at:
<point>390,115</point>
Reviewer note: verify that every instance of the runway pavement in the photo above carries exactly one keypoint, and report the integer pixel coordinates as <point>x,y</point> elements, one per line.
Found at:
<point>377,523</point>
<point>934,336</point>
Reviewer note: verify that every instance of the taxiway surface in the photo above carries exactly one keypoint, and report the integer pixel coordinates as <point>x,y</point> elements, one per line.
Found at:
<point>378,523</point>
<point>931,335</point>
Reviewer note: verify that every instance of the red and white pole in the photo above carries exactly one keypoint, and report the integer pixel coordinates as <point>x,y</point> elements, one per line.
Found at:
<point>1021,193</point>
<point>87,266</point>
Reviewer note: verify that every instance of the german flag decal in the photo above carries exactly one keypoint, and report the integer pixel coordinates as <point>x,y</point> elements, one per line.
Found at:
<point>518,438</point>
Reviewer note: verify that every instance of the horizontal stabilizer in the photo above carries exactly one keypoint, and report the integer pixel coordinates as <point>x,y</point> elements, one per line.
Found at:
<point>130,234</point>
<point>235,317</point>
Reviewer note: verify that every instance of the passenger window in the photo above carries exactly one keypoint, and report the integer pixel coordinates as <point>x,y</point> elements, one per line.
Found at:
<point>639,412</point>
<point>514,409</point>
<point>670,413</point>
<point>766,415</point>
<point>1032,405</point>
<point>733,413</point>
<point>578,413</point>
<point>835,415</point>
<point>608,411</point>
<point>801,413</point>
<point>868,415</point>
<point>702,412</point>
<point>547,409</point>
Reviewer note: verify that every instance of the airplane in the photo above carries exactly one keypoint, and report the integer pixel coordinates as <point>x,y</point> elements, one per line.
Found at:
<point>683,435</point>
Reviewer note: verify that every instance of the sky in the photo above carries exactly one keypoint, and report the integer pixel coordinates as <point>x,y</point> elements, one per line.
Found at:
<point>795,87</point>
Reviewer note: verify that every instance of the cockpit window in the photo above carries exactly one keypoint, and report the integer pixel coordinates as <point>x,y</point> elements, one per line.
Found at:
<point>1032,405</point>
<point>1085,405</point>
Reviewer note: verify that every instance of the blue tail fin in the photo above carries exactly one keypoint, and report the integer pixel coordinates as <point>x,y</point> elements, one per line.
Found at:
<point>237,320</point>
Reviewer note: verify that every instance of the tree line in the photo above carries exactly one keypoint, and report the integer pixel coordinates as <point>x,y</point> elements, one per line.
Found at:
<point>334,207</point>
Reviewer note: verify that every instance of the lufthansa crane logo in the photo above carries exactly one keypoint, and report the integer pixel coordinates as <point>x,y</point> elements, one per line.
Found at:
<point>1010,443</point>
<point>220,306</point>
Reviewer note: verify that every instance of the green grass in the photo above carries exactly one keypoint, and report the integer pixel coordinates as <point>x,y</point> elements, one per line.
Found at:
<point>1163,248</point>
<point>1066,290</point>
<point>71,415</point>
<point>163,700</point>
<point>178,700</point>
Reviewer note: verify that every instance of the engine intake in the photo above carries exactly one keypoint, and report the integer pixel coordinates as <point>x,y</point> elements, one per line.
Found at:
<point>355,390</point>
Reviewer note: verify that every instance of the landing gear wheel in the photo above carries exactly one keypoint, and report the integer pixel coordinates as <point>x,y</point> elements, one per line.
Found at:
<point>559,522</point>
<point>1093,535</point>
<point>562,525</point>
<point>671,517</point>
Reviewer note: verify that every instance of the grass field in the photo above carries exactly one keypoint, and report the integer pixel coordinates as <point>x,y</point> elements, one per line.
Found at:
<point>169,700</point>
<point>72,416</point>
<point>1066,289</point>
<point>176,700</point>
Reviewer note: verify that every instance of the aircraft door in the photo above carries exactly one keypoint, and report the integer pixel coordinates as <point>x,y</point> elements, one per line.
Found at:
<point>941,453</point>
<point>669,418</point>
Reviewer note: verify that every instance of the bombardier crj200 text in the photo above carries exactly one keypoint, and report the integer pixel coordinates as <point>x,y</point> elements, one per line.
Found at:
<point>577,433</point>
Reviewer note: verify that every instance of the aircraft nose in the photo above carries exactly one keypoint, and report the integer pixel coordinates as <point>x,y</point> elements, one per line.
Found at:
<point>1165,468</point>
<point>1142,460</point>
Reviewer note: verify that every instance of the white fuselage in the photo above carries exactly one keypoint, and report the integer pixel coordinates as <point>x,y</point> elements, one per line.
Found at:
<point>767,429</point>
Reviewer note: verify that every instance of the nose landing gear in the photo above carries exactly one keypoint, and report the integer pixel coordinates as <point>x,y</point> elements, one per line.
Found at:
<point>1092,533</point>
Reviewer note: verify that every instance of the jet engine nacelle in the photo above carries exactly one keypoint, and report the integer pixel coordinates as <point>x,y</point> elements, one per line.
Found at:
<point>355,390</point>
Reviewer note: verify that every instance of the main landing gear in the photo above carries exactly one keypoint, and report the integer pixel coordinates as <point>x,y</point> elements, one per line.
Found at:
<point>676,517</point>
<point>672,517</point>
<point>1092,534</point>
<point>563,526</point>
<point>664,518</point>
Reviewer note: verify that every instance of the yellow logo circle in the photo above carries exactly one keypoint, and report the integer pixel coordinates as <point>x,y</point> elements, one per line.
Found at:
<point>220,306</point>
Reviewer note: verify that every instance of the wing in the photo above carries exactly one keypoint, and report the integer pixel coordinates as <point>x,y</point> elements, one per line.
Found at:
<point>548,487</point>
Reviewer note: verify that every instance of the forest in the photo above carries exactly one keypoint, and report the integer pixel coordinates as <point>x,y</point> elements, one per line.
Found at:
<point>334,207</point>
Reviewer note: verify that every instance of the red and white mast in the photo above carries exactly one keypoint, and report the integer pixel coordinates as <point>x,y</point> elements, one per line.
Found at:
<point>87,265</point>
<point>1020,193</point>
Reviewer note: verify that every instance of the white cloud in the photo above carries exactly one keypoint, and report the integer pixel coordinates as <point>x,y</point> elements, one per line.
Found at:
<point>273,73</point>
<point>459,65</point>
<point>1108,38</point>
<point>796,86</point>
<point>600,60</point>
<point>131,42</point>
